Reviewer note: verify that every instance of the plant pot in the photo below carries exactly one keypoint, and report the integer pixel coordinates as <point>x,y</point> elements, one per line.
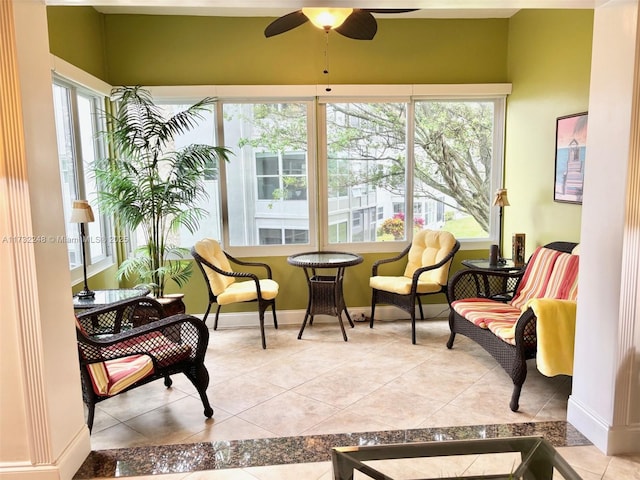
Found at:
<point>172,304</point>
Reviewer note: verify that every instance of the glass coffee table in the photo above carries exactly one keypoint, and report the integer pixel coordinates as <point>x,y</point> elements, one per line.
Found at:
<point>325,290</point>
<point>531,458</point>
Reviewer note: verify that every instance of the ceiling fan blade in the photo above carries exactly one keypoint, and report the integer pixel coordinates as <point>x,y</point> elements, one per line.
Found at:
<point>391,10</point>
<point>285,23</point>
<point>360,25</point>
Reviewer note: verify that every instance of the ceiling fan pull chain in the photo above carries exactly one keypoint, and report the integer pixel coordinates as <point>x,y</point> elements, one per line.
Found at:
<point>326,60</point>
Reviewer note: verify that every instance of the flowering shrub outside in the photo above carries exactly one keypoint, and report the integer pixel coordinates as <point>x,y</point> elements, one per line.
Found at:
<point>394,226</point>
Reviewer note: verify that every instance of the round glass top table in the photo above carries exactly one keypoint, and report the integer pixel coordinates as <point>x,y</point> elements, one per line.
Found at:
<point>505,265</point>
<point>325,290</point>
<point>105,297</point>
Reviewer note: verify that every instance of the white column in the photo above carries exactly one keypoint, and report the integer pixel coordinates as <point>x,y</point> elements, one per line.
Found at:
<point>605,402</point>
<point>41,414</point>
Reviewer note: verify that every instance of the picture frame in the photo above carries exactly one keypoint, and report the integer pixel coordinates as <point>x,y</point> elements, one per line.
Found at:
<point>518,245</point>
<point>571,148</point>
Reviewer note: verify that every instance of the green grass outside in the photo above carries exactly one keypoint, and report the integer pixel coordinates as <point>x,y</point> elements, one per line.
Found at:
<point>464,228</point>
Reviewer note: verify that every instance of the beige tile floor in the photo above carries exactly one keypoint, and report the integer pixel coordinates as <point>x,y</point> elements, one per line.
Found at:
<point>377,380</point>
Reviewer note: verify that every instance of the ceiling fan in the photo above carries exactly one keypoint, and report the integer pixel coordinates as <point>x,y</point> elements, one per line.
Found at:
<point>356,23</point>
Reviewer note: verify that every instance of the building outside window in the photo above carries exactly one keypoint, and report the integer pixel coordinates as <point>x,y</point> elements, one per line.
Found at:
<point>267,177</point>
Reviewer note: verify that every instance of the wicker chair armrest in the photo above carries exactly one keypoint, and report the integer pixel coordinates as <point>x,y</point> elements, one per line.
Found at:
<point>526,325</point>
<point>468,283</point>
<point>400,256</point>
<point>205,262</point>
<point>250,264</point>
<point>180,328</point>
<point>525,333</point>
<point>250,275</point>
<point>112,318</point>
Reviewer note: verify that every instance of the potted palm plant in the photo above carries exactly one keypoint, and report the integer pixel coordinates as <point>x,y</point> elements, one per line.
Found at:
<point>148,186</point>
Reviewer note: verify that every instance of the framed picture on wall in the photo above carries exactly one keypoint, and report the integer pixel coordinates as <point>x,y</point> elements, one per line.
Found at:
<point>571,147</point>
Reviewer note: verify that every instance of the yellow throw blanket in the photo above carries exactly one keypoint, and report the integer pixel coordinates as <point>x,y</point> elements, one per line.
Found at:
<point>556,328</point>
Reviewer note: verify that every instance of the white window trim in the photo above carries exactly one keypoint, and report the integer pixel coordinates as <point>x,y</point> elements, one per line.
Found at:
<point>319,96</point>
<point>72,76</point>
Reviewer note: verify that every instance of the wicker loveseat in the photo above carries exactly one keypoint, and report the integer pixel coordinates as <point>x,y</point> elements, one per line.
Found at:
<point>497,309</point>
<point>130,343</point>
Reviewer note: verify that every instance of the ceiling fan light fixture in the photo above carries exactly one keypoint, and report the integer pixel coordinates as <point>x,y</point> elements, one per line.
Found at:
<point>327,18</point>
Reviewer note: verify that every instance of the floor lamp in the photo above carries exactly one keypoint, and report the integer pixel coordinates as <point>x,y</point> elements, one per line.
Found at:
<point>81,213</point>
<point>501,201</point>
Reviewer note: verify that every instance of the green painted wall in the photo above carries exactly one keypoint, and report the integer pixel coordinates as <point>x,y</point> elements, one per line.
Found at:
<point>544,53</point>
<point>76,34</point>
<point>163,50</point>
<point>549,67</point>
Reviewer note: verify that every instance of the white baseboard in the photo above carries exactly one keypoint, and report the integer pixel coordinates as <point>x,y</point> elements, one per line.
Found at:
<point>295,317</point>
<point>610,439</point>
<point>63,468</point>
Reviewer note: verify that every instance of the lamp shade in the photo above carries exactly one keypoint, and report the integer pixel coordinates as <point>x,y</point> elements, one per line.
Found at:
<point>327,18</point>
<point>81,212</point>
<point>501,199</point>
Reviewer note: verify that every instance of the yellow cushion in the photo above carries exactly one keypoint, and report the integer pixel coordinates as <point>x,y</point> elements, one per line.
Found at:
<point>402,285</point>
<point>428,248</point>
<point>211,251</point>
<point>246,291</point>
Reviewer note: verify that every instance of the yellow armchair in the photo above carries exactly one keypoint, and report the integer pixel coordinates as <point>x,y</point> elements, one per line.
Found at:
<point>427,272</point>
<point>224,287</point>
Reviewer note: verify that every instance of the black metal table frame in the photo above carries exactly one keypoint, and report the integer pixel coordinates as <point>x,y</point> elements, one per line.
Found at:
<point>539,457</point>
<point>508,281</point>
<point>325,291</point>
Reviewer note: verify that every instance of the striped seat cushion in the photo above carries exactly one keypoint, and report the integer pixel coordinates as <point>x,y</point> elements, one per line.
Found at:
<point>165,351</point>
<point>482,311</point>
<point>536,276</point>
<point>112,376</point>
<point>549,274</point>
<point>563,282</point>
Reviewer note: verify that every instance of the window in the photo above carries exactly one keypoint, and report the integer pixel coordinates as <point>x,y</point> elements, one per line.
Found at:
<point>77,121</point>
<point>267,176</point>
<point>442,180</point>
<point>202,133</point>
<point>366,161</point>
<point>453,153</point>
<point>385,162</point>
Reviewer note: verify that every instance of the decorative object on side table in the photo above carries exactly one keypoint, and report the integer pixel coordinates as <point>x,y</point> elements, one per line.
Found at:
<point>518,245</point>
<point>81,213</point>
<point>150,188</point>
<point>501,200</point>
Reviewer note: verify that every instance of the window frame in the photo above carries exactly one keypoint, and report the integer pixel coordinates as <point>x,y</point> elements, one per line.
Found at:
<point>317,96</point>
<point>73,83</point>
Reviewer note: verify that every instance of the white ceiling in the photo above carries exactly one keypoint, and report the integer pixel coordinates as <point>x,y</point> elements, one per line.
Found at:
<point>256,8</point>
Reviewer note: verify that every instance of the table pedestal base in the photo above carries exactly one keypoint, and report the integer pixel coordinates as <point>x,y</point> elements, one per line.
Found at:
<point>325,298</point>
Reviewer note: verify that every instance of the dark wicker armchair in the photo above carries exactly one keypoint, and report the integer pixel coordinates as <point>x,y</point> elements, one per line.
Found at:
<point>220,278</point>
<point>128,344</point>
<point>499,286</point>
<point>428,259</point>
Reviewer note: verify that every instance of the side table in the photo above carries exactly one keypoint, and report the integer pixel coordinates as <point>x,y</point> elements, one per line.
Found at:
<point>105,297</point>
<point>506,265</point>
<point>506,282</point>
<point>325,291</point>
